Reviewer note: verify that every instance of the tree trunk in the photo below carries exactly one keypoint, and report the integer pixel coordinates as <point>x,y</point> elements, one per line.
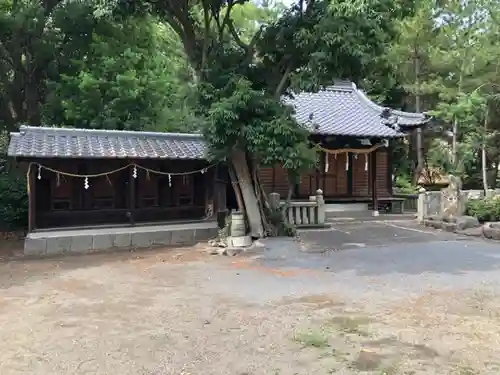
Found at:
<point>484,168</point>
<point>484,161</point>
<point>236,189</point>
<point>454,144</point>
<point>454,156</point>
<point>242,172</point>
<point>420,136</point>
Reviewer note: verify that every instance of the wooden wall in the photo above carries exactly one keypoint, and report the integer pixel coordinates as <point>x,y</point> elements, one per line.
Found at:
<point>337,182</point>
<point>61,201</point>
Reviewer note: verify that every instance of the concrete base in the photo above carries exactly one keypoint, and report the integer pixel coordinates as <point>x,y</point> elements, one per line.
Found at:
<point>243,241</point>
<point>123,238</point>
<point>346,207</point>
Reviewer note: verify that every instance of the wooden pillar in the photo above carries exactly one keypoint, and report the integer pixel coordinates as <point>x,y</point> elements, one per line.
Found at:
<point>132,189</point>
<point>222,181</point>
<point>373,165</point>
<point>31,198</point>
<point>212,193</point>
<point>390,169</point>
<point>321,166</point>
<point>273,188</point>
<point>350,172</point>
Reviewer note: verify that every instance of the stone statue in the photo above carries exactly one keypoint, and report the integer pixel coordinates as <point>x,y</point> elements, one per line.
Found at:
<point>451,205</point>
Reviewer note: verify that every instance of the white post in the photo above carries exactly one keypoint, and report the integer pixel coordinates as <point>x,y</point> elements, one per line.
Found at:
<point>421,206</point>
<point>321,207</point>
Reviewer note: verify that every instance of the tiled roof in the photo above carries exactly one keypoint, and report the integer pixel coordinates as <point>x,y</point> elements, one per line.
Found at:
<point>45,142</point>
<point>342,109</point>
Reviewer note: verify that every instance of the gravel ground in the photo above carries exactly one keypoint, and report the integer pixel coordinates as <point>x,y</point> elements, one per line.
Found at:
<point>371,298</point>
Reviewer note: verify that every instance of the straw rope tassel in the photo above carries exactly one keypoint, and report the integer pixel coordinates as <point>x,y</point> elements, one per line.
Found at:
<point>327,165</point>
<point>28,187</point>
<point>346,161</point>
<point>366,162</point>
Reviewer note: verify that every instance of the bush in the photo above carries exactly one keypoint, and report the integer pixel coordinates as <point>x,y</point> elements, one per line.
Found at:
<point>486,209</point>
<point>13,202</point>
<point>403,186</point>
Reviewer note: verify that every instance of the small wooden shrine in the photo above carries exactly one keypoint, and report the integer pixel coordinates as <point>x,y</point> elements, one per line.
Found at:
<point>82,177</point>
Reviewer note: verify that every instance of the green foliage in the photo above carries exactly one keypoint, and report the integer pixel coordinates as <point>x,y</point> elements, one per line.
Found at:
<point>447,54</point>
<point>404,185</point>
<point>126,83</point>
<point>13,202</point>
<point>331,39</point>
<point>240,117</point>
<point>38,38</point>
<point>486,209</point>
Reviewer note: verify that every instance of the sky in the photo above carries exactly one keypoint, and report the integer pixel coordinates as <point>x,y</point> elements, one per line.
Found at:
<point>286,2</point>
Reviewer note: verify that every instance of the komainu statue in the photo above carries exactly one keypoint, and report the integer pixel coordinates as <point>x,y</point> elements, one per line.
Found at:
<point>451,206</point>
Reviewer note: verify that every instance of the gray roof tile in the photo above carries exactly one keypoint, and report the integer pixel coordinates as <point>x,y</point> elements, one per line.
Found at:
<point>344,110</point>
<point>338,110</point>
<point>45,142</point>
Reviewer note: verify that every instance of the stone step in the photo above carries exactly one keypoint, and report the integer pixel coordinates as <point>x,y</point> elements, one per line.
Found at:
<point>367,216</point>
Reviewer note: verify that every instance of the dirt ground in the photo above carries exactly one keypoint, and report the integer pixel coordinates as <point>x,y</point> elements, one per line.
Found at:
<point>181,311</point>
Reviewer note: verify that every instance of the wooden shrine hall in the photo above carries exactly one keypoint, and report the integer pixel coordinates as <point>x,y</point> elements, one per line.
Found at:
<point>353,137</point>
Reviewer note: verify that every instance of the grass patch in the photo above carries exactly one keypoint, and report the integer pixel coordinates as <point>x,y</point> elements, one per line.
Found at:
<point>351,325</point>
<point>389,370</point>
<point>312,339</point>
<point>466,370</point>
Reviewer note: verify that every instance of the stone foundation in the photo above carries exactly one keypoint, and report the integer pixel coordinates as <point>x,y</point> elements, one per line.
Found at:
<point>451,224</point>
<point>492,231</point>
<point>124,238</point>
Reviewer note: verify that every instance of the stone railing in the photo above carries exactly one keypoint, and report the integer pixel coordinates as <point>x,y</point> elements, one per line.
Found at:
<point>429,204</point>
<point>302,214</point>
<point>410,201</point>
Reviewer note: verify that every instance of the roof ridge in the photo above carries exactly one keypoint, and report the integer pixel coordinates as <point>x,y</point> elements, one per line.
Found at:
<point>25,128</point>
<point>378,108</point>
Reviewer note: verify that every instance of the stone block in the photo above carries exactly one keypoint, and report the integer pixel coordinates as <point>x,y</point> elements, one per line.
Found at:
<point>232,251</point>
<point>122,240</point>
<point>449,227</point>
<point>160,238</point>
<point>183,237</point>
<point>205,234</point>
<point>82,244</point>
<point>103,241</point>
<point>35,246</point>
<point>141,239</point>
<point>58,245</point>
<point>240,241</point>
<point>466,222</point>
<point>436,224</point>
<point>491,231</point>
